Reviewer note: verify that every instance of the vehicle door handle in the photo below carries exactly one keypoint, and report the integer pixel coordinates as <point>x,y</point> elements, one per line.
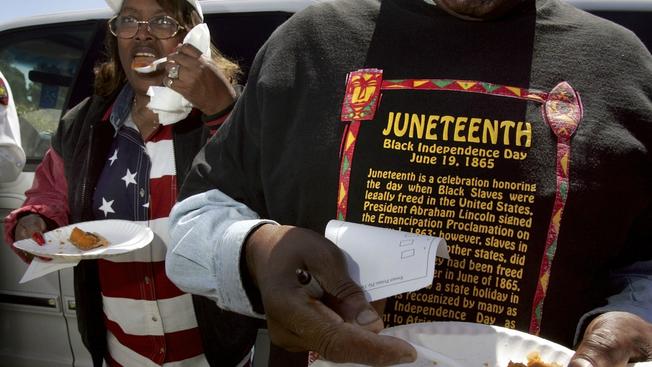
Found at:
<point>35,301</point>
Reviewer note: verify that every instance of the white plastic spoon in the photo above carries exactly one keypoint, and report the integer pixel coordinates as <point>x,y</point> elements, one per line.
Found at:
<point>151,67</point>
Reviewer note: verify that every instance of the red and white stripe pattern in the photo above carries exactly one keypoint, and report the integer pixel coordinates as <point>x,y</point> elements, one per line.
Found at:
<point>150,322</point>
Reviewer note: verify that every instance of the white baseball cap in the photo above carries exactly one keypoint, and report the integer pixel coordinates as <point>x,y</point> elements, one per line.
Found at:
<point>116,5</point>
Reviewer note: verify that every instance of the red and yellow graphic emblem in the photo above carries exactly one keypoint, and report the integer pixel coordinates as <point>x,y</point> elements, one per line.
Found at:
<point>563,110</point>
<point>362,94</point>
<point>4,95</point>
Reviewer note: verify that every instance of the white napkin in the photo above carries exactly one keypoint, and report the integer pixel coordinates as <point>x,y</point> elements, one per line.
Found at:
<point>169,105</point>
<point>38,268</point>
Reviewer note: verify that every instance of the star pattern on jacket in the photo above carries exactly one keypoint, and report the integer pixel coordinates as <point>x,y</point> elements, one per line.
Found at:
<point>114,157</point>
<point>107,207</point>
<point>129,178</point>
<point>123,187</point>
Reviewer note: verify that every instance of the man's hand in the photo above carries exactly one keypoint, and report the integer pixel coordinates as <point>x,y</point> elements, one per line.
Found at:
<point>342,326</point>
<point>612,340</point>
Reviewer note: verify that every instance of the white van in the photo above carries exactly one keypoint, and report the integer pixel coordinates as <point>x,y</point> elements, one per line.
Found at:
<point>48,62</point>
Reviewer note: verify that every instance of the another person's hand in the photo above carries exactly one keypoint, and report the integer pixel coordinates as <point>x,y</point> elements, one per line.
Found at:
<point>199,80</point>
<point>612,340</point>
<point>341,326</point>
<point>27,227</point>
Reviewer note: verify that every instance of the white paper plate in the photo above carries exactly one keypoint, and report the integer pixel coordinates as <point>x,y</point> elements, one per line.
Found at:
<point>123,236</point>
<point>472,345</point>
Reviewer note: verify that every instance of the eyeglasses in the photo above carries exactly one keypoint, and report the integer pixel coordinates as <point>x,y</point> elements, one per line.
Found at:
<point>161,27</point>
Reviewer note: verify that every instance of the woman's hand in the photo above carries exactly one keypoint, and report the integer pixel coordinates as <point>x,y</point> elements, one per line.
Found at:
<point>30,226</point>
<point>341,326</point>
<point>612,340</point>
<point>198,80</point>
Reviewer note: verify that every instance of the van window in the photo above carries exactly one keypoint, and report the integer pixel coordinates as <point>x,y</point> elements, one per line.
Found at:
<point>40,65</point>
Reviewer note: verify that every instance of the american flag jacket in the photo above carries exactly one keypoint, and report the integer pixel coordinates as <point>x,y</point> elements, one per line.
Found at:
<point>63,193</point>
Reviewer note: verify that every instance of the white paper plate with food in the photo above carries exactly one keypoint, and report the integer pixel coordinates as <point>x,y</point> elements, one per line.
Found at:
<point>462,344</point>
<point>89,240</point>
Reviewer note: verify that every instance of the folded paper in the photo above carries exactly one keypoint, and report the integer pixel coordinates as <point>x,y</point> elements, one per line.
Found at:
<point>386,262</point>
<point>38,268</point>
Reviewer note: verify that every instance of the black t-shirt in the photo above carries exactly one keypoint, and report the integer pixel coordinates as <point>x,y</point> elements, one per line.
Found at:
<point>463,153</point>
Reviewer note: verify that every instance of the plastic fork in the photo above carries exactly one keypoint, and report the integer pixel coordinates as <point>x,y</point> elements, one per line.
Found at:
<point>151,67</point>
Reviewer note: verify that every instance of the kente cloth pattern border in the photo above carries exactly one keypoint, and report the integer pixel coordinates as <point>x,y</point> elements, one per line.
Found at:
<point>561,109</point>
<point>468,86</point>
<point>349,140</point>
<point>4,94</point>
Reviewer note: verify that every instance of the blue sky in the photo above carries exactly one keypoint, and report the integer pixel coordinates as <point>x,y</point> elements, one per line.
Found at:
<point>21,8</point>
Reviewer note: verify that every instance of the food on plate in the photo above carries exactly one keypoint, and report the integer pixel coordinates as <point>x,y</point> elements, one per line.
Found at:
<point>533,360</point>
<point>86,240</point>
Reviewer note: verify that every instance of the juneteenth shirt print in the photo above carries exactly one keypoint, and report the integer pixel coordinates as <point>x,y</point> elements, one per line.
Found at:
<point>486,219</point>
<point>449,157</point>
